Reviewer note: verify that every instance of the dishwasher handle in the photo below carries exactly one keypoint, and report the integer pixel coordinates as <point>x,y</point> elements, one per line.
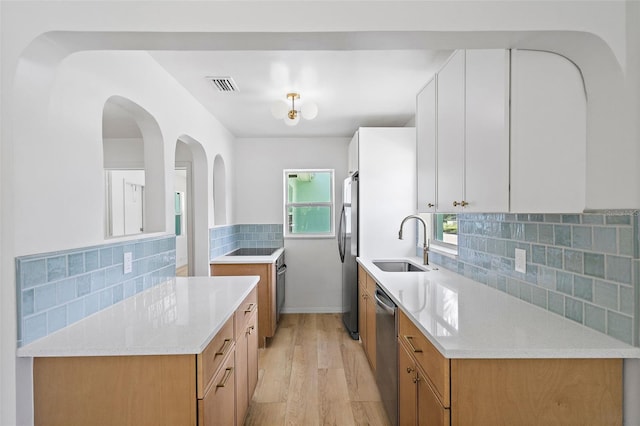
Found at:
<point>282,269</point>
<point>389,309</point>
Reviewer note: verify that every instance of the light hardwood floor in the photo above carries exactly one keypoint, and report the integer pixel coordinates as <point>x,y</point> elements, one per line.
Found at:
<point>182,271</point>
<point>313,373</point>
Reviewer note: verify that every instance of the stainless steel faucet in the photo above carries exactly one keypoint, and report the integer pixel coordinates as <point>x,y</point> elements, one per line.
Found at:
<point>425,247</point>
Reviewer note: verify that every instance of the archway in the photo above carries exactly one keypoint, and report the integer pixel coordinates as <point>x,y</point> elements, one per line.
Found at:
<point>219,191</point>
<point>133,162</point>
<point>192,159</point>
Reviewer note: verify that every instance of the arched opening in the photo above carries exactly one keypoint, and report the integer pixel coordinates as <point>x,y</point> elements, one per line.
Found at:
<point>192,245</point>
<point>219,191</point>
<point>133,164</point>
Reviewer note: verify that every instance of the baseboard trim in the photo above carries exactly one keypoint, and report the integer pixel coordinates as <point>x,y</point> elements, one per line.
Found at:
<point>315,310</point>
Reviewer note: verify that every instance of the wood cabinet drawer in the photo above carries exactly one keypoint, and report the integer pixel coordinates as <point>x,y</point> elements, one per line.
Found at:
<point>217,407</point>
<point>428,357</point>
<point>210,359</point>
<point>430,410</point>
<point>247,308</point>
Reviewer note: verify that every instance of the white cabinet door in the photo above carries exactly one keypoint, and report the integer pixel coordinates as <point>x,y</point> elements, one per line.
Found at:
<point>487,131</point>
<point>426,147</point>
<point>548,134</point>
<point>450,122</point>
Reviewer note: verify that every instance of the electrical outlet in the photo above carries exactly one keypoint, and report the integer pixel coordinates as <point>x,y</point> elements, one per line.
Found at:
<point>521,261</point>
<point>128,262</point>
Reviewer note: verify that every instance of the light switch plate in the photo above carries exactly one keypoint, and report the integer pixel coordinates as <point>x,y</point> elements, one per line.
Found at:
<point>521,261</point>
<point>128,262</point>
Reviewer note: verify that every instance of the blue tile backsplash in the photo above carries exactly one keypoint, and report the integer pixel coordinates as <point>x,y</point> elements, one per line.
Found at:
<point>57,289</point>
<point>581,266</point>
<point>225,239</point>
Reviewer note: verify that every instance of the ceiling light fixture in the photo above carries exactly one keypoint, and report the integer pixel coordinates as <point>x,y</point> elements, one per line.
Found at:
<point>291,117</point>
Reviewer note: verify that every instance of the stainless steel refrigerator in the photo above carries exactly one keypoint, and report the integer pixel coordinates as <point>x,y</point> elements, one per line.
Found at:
<point>348,250</point>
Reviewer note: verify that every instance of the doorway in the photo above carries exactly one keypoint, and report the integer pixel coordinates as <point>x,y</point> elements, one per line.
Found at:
<point>183,219</point>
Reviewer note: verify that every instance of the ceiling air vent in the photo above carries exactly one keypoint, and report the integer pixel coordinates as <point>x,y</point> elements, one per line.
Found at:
<point>223,84</point>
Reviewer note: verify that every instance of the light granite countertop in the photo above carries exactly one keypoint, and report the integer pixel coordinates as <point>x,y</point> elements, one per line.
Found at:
<point>180,316</point>
<point>466,319</point>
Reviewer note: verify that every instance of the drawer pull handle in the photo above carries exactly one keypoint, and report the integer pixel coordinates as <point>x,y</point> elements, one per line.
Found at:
<point>410,370</point>
<point>430,205</point>
<point>409,340</point>
<point>461,203</point>
<point>251,308</point>
<point>225,379</point>
<point>250,329</point>
<point>225,346</point>
<point>416,379</point>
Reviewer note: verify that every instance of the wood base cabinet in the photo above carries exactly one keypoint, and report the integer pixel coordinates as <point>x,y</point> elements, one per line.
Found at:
<point>267,321</point>
<point>115,390</point>
<point>367,315</point>
<point>418,404</point>
<point>213,387</point>
<point>215,409</point>
<point>246,356</point>
<point>435,390</point>
<point>536,391</point>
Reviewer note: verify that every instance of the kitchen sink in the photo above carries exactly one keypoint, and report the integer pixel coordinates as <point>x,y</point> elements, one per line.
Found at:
<point>398,266</point>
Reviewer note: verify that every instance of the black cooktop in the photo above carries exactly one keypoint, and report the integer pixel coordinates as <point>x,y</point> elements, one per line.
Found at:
<point>255,251</point>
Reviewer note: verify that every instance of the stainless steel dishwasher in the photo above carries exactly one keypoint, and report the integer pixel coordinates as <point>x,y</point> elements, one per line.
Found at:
<point>387,353</point>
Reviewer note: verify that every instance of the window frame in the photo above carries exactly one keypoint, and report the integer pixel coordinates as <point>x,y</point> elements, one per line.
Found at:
<point>439,245</point>
<point>285,221</point>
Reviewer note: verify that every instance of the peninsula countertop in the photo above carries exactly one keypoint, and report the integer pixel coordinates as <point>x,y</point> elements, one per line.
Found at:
<point>466,319</point>
<point>179,316</point>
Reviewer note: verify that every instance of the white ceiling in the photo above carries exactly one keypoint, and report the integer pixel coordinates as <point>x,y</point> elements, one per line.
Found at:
<point>352,88</point>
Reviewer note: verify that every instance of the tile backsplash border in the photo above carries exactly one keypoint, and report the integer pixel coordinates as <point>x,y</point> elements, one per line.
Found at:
<point>584,267</point>
<point>227,238</point>
<point>56,289</point>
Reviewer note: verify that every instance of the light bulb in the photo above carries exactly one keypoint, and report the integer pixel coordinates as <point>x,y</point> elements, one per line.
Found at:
<point>309,110</point>
<point>292,122</point>
<point>279,109</point>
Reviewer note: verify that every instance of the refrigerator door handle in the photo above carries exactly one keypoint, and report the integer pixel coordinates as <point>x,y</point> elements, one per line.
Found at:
<point>341,235</point>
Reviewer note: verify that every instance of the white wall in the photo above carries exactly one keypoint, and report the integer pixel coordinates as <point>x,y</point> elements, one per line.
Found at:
<point>314,271</point>
<point>58,180</point>
<point>600,36</point>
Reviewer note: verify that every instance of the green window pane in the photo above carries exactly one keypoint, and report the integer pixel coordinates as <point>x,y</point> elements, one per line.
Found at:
<point>177,202</point>
<point>446,228</point>
<point>178,224</point>
<point>309,187</point>
<point>309,220</point>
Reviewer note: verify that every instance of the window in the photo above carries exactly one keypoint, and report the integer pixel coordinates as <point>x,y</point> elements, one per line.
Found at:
<point>308,209</point>
<point>445,229</point>
<point>178,202</point>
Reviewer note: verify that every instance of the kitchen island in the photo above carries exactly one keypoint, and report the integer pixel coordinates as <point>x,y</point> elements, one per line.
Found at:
<point>470,354</point>
<point>165,356</point>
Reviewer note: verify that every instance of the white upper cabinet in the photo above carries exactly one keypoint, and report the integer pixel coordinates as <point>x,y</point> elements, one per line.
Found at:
<point>426,147</point>
<point>472,132</point>
<point>450,133</point>
<point>548,134</point>
<point>509,134</point>
<point>353,154</point>
<point>487,131</point>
